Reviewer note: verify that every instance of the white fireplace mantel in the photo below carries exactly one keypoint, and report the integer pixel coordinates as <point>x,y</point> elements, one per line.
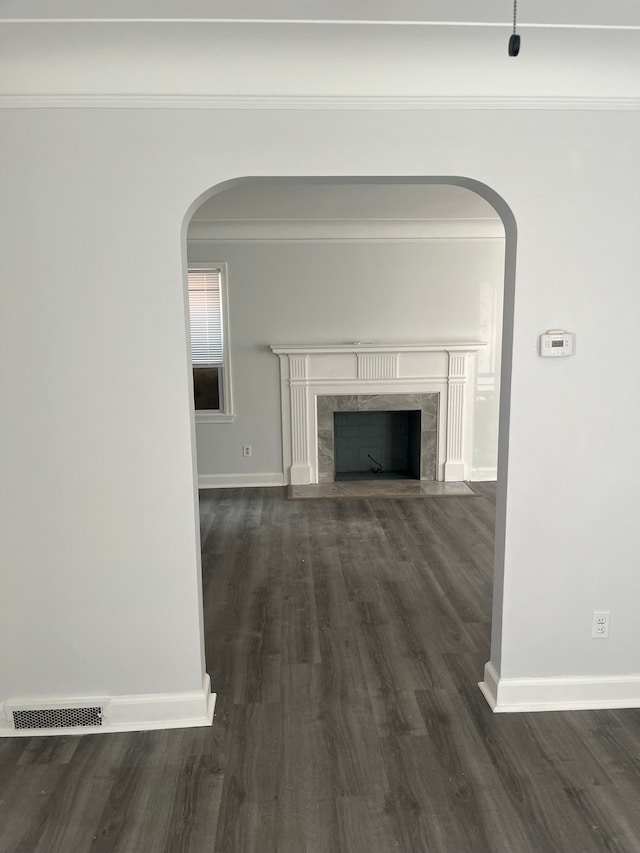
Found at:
<point>310,371</point>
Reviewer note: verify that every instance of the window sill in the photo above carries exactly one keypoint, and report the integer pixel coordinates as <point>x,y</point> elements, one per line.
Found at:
<point>203,417</point>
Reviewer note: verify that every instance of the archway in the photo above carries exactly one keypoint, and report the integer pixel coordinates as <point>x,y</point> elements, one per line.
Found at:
<point>510,231</point>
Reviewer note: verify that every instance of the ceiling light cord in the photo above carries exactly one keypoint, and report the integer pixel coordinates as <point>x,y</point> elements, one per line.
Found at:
<point>514,39</point>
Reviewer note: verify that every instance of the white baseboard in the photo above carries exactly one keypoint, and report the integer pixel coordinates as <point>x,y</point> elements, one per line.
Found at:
<point>482,475</point>
<point>570,693</point>
<point>239,481</point>
<point>123,713</point>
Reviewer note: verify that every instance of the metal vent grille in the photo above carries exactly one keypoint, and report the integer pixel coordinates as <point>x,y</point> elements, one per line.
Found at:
<point>57,718</point>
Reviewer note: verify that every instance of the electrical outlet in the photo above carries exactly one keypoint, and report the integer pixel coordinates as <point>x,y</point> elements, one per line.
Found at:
<point>246,450</point>
<point>600,625</point>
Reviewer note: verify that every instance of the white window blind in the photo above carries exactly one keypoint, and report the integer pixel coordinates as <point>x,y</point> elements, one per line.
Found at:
<point>205,310</point>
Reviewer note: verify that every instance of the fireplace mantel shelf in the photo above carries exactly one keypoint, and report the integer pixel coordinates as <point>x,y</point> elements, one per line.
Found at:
<point>358,346</point>
<point>442,368</point>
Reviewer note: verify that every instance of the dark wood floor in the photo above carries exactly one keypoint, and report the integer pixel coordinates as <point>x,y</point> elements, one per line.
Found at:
<point>345,640</point>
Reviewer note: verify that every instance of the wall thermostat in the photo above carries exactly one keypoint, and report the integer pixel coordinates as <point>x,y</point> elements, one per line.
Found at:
<point>556,343</point>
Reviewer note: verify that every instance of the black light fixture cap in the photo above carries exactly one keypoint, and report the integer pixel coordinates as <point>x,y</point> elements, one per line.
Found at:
<point>514,45</point>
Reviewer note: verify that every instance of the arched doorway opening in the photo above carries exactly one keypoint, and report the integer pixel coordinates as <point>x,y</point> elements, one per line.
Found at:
<point>198,249</point>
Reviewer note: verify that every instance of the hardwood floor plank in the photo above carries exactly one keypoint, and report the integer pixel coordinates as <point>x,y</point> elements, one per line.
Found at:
<point>365,824</point>
<point>46,750</point>
<point>617,816</point>
<point>80,794</point>
<point>421,799</point>
<point>349,726</point>
<point>193,817</point>
<point>24,806</point>
<point>396,712</point>
<point>301,683</point>
<point>308,826</point>
<point>253,827</point>
<point>333,607</point>
<point>133,783</point>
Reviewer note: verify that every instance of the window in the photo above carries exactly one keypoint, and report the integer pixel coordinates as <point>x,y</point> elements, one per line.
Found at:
<point>209,342</point>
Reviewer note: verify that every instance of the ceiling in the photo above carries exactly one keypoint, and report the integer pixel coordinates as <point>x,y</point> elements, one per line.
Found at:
<point>286,211</point>
<point>286,201</point>
<point>575,54</point>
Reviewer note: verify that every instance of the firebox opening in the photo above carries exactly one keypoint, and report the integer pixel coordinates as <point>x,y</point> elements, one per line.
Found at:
<point>377,445</point>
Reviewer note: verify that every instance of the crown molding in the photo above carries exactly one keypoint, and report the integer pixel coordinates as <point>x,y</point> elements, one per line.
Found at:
<point>339,230</point>
<point>328,22</point>
<point>316,102</point>
<point>244,241</point>
<point>547,13</point>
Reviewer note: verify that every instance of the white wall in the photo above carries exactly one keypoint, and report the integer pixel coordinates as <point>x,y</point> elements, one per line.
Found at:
<point>99,561</point>
<point>101,595</point>
<point>338,292</point>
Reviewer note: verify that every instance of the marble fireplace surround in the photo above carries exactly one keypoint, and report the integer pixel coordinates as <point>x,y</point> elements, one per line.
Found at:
<point>330,403</point>
<point>436,375</point>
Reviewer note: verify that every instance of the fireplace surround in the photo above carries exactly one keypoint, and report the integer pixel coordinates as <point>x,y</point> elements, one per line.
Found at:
<point>328,405</point>
<point>435,377</point>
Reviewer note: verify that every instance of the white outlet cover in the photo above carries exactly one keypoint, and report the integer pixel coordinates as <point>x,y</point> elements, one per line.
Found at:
<point>600,624</point>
